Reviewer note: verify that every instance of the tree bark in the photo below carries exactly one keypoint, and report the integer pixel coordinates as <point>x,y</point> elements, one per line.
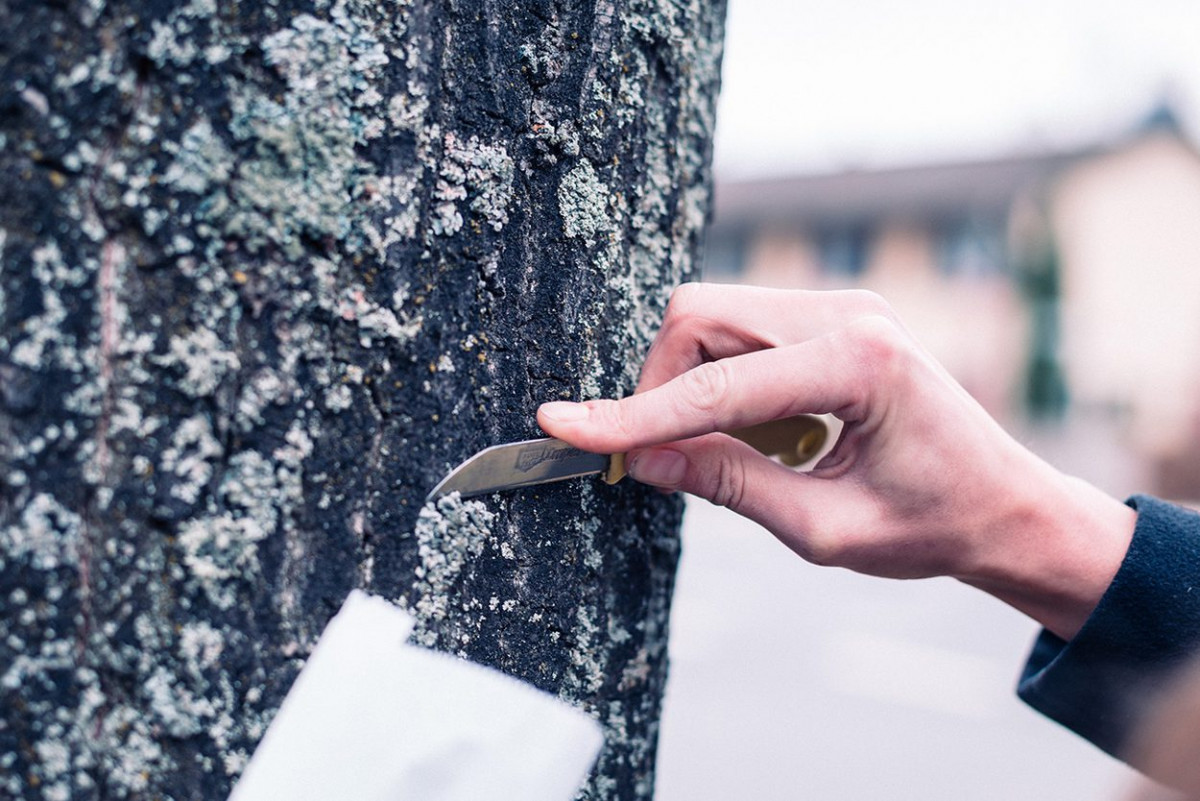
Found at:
<point>269,269</point>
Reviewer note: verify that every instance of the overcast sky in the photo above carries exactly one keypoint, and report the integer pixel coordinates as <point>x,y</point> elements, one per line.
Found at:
<point>828,84</point>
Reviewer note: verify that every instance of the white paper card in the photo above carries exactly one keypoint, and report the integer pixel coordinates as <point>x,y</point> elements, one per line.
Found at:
<point>372,718</point>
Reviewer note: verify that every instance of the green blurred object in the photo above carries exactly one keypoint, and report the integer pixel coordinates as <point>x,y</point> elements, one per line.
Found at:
<point>1046,394</point>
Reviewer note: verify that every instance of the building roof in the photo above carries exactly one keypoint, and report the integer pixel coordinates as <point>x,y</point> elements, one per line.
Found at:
<point>931,191</point>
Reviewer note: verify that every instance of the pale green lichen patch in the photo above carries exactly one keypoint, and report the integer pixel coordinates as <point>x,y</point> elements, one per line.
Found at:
<point>305,173</point>
<point>173,41</point>
<point>294,170</point>
<point>217,550</point>
<point>251,484</point>
<point>339,398</point>
<point>201,162</point>
<point>553,137</point>
<point>204,359</point>
<point>401,216</point>
<point>189,458</point>
<point>41,338</point>
<point>450,533</point>
<point>265,388</point>
<point>583,202</point>
<point>253,501</point>
<point>375,321</point>
<point>587,656</point>
<point>174,707</point>
<point>47,536</point>
<point>476,171</point>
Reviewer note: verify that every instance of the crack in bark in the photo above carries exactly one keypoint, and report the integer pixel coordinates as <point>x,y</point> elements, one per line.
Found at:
<point>366,506</point>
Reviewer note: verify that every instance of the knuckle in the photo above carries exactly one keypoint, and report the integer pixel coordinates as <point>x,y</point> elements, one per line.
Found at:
<point>728,487</point>
<point>881,355</point>
<point>879,344</point>
<point>683,307</point>
<point>684,297</point>
<point>706,389</point>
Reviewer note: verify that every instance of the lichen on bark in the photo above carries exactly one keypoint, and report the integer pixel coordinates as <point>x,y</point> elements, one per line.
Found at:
<point>267,271</point>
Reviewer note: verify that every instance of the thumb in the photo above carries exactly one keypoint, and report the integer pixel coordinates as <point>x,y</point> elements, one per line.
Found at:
<point>791,505</point>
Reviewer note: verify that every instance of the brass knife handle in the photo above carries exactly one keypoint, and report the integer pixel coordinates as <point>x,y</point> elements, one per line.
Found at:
<point>795,440</point>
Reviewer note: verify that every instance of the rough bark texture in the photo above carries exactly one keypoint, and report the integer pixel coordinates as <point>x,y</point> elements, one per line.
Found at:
<point>269,269</point>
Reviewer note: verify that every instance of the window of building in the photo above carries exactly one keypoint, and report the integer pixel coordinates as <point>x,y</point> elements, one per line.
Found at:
<point>724,255</point>
<point>971,247</point>
<point>843,249</point>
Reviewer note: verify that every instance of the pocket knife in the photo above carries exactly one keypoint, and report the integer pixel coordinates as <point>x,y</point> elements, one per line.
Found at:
<point>793,440</point>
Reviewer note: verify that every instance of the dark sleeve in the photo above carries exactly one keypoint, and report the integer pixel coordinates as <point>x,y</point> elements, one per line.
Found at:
<point>1101,683</point>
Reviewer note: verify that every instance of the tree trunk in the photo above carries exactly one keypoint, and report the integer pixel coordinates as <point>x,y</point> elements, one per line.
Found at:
<point>269,270</point>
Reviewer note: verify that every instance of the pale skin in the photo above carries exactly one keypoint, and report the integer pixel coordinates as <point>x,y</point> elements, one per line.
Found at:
<point>923,482</point>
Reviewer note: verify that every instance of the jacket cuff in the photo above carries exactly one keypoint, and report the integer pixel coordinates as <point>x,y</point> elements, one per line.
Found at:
<point>1101,683</point>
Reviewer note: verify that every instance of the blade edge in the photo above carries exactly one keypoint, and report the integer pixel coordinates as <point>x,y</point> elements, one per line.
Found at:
<point>519,464</point>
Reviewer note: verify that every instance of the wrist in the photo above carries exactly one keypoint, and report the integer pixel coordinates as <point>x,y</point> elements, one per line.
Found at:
<point>1053,549</point>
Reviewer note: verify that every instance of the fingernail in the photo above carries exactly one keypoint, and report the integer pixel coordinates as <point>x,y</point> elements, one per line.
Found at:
<point>661,468</point>
<point>564,411</point>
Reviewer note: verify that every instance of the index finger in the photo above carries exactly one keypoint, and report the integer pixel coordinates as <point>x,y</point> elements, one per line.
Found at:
<point>709,322</point>
<point>823,375</point>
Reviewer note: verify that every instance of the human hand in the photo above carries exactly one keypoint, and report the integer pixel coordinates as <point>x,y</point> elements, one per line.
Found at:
<point>922,481</point>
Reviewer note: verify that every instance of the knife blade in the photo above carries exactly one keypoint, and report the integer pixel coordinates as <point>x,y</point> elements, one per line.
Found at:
<point>794,440</point>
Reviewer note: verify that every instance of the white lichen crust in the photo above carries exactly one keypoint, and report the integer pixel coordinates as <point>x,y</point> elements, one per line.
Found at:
<point>267,270</point>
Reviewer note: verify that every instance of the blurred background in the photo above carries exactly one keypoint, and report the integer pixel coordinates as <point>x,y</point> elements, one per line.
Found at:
<point>1022,181</point>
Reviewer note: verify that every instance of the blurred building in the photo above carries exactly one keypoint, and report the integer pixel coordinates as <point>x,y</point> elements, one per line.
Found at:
<point>1051,285</point>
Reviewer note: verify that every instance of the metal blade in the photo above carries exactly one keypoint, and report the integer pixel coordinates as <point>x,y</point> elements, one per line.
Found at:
<point>519,464</point>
